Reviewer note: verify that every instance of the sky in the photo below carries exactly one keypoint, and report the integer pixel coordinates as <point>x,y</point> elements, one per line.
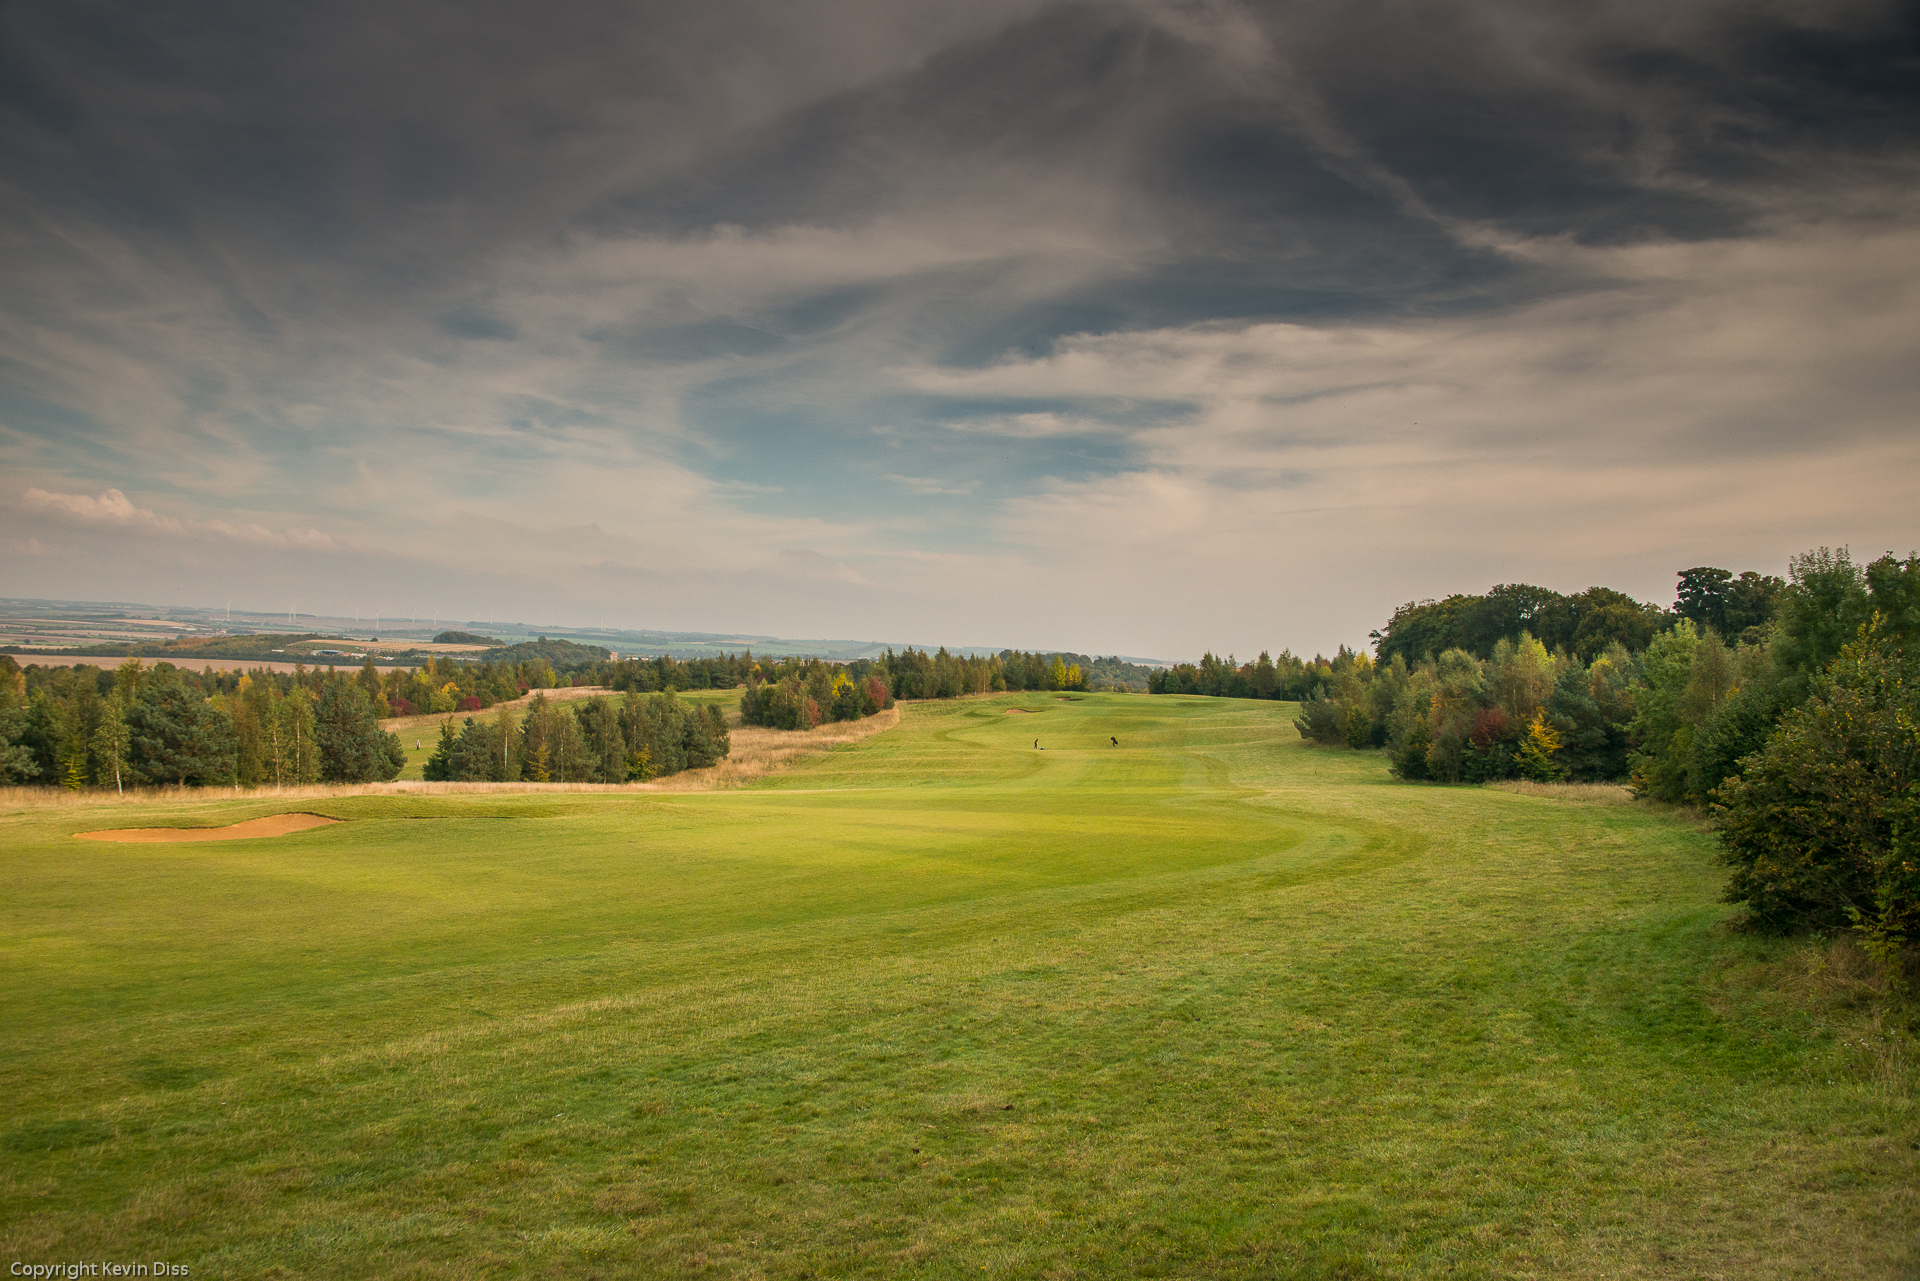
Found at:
<point>1127,327</point>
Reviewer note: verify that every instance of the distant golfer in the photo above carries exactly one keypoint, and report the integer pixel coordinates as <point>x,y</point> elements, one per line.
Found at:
<point>1114,741</point>
<point>1036,744</point>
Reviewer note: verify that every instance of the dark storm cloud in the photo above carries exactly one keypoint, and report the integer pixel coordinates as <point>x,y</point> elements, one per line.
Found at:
<point>904,274</point>
<point>400,145</point>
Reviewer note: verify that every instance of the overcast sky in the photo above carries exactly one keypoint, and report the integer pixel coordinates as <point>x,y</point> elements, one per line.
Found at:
<point>1115,327</point>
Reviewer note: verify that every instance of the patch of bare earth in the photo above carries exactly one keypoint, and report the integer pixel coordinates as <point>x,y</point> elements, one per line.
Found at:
<point>251,829</point>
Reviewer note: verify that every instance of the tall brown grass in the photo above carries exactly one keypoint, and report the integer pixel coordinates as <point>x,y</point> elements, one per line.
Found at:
<point>1594,793</point>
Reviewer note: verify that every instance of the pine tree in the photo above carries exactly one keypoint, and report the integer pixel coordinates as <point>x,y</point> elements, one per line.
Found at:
<point>439,766</point>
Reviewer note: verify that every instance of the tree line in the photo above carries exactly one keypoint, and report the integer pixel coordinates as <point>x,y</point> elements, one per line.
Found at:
<point>591,740</point>
<point>1286,678</point>
<point>151,725</point>
<point>800,693</point>
<point>155,726</point>
<point>1789,708</point>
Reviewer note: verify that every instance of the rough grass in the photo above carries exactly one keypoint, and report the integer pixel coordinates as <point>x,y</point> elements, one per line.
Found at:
<point>1592,793</point>
<point>933,1004</point>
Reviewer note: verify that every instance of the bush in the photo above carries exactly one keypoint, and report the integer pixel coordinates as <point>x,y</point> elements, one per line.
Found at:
<point>1322,720</point>
<point>1823,829</point>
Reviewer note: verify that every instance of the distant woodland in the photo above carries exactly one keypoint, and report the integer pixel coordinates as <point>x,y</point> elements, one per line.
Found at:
<point>165,724</point>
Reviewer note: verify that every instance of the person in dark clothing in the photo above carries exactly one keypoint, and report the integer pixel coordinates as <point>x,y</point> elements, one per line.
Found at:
<point>1114,741</point>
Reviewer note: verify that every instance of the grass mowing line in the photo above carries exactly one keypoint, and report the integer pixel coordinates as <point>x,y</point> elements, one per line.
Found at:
<point>929,1026</point>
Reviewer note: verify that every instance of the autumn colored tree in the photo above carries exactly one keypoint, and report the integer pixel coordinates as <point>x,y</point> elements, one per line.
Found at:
<point>1536,755</point>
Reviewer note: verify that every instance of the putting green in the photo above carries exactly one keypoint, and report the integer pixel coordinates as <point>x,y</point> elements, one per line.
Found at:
<point>934,1003</point>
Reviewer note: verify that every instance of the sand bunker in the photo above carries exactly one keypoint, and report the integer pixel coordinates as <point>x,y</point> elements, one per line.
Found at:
<point>1019,711</point>
<point>274,825</point>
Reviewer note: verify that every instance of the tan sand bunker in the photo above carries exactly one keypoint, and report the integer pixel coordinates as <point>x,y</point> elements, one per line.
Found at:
<point>272,825</point>
<point>1019,711</point>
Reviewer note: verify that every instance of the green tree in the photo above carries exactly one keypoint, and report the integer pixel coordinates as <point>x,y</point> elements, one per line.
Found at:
<point>606,745</point>
<point>1751,601</point>
<point>480,753</point>
<point>1823,607</point>
<point>551,745</point>
<point>1893,586</point>
<point>296,756</point>
<point>1521,677</point>
<point>1622,623</point>
<point>1264,678</point>
<point>175,736</point>
<point>348,739</point>
<point>1458,681</point>
<point>1590,710</point>
<point>110,742</point>
<point>16,759</point>
<point>245,706</point>
<point>1660,728</point>
<point>1823,830</point>
<point>439,766</point>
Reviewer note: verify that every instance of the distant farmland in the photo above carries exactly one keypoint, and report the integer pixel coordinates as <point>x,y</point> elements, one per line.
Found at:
<point>936,1003</point>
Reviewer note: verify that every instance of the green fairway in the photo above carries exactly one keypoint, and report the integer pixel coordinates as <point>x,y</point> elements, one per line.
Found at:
<point>1210,1003</point>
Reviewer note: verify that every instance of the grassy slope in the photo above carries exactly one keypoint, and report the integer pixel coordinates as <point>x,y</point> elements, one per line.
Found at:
<point>935,1004</point>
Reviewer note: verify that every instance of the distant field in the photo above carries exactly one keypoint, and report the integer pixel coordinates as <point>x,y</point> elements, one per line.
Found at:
<point>937,1004</point>
<point>195,664</point>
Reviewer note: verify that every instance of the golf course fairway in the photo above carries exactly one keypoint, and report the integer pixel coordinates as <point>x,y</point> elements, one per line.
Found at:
<point>1210,1003</point>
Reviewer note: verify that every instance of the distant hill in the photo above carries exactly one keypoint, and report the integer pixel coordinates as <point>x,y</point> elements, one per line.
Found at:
<point>558,653</point>
<point>464,638</point>
<point>279,648</point>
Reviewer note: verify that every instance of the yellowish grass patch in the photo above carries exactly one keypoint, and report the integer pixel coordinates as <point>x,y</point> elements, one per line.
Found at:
<point>1593,793</point>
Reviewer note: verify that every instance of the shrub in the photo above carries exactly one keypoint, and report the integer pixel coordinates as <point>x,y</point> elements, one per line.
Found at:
<point>1823,829</point>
